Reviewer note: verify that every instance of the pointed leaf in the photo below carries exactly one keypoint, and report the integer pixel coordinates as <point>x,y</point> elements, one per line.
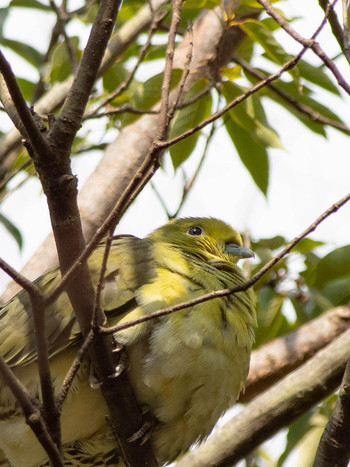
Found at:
<point>187,118</point>
<point>317,75</point>
<point>12,229</point>
<point>25,51</point>
<point>252,154</point>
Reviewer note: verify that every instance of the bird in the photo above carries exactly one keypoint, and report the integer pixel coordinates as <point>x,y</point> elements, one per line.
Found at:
<point>187,368</point>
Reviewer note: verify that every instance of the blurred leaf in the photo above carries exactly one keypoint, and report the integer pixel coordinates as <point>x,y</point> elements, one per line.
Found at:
<point>60,65</point>
<point>300,94</point>
<point>188,118</point>
<point>316,75</point>
<point>271,321</point>
<point>115,75</point>
<point>12,230</point>
<point>27,88</point>
<point>30,4</point>
<point>306,245</point>
<point>3,16</point>
<point>252,154</point>
<point>333,266</point>
<point>25,51</point>
<point>199,4</point>
<point>250,115</point>
<point>271,243</point>
<point>231,72</point>
<point>260,33</point>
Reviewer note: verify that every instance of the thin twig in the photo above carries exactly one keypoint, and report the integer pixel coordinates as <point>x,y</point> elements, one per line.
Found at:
<point>67,382</point>
<point>122,109</point>
<point>309,43</point>
<point>241,287</point>
<point>346,44</point>
<point>51,414</point>
<point>286,67</point>
<point>305,109</point>
<point>37,300</point>
<point>126,83</point>
<point>164,118</point>
<point>190,183</point>
<point>26,284</point>
<point>185,73</point>
<point>31,412</point>
<point>32,132</point>
<point>62,19</point>
<point>336,28</point>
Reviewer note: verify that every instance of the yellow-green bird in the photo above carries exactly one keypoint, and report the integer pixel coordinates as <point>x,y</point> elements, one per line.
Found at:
<point>187,367</point>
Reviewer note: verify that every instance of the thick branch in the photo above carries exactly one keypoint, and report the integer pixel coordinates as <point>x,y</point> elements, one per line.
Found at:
<point>334,447</point>
<point>274,360</point>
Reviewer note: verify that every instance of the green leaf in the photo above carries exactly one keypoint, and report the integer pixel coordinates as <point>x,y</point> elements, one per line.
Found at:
<point>25,51</point>
<point>333,266</point>
<point>260,33</point>
<point>301,94</point>
<point>30,4</point>
<point>306,245</point>
<point>231,72</point>
<point>115,75</point>
<point>12,229</point>
<point>188,118</point>
<point>316,75</point>
<point>27,88</point>
<point>250,115</point>
<point>61,67</point>
<point>3,16</point>
<point>273,243</point>
<point>271,321</point>
<point>252,154</point>
<point>296,432</point>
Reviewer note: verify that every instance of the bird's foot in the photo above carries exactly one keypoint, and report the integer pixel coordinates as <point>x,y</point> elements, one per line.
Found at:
<point>122,365</point>
<point>144,432</point>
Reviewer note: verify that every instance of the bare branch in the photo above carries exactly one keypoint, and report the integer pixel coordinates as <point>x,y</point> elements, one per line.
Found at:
<point>334,448</point>
<point>28,125</point>
<point>62,19</point>
<point>309,43</point>
<point>304,109</point>
<point>272,361</point>
<point>125,84</point>
<point>31,412</point>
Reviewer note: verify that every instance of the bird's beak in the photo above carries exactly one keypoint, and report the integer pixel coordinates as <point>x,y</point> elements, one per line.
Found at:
<point>239,251</point>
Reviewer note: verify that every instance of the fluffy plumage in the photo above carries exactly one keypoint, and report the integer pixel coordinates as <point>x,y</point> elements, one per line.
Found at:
<point>188,367</point>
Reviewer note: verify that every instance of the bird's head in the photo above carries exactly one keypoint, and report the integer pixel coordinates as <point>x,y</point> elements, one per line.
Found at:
<point>208,238</point>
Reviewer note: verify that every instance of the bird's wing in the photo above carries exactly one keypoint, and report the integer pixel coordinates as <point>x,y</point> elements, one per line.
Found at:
<point>130,265</point>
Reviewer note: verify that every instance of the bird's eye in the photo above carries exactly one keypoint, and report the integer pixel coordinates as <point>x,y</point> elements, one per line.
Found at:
<point>195,231</point>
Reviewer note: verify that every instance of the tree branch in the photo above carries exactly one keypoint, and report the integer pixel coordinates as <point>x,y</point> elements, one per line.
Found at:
<point>334,447</point>
<point>310,43</point>
<point>274,360</point>
<point>31,412</point>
